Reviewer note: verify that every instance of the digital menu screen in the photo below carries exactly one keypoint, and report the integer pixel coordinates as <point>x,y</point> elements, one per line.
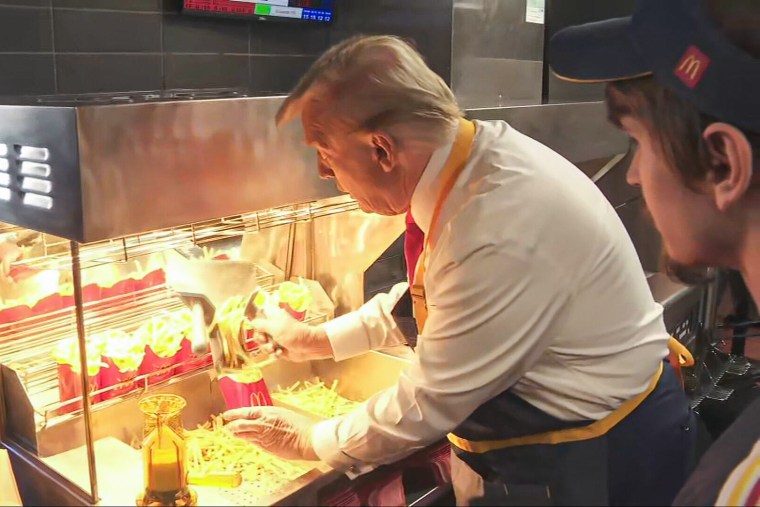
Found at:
<point>317,11</point>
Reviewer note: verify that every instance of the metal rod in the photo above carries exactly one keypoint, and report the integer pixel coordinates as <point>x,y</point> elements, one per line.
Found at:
<point>290,251</point>
<point>310,253</point>
<point>79,310</point>
<point>123,249</point>
<point>608,167</point>
<point>3,416</point>
<point>705,331</point>
<point>628,202</point>
<point>710,302</point>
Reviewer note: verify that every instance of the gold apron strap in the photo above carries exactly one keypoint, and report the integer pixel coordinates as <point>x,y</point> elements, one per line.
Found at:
<point>593,430</point>
<point>460,153</point>
<point>681,354</point>
<point>679,357</point>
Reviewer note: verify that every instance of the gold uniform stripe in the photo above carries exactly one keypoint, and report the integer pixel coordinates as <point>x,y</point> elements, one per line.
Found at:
<point>594,430</point>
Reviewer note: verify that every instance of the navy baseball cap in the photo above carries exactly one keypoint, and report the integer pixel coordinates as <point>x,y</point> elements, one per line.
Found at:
<point>677,43</point>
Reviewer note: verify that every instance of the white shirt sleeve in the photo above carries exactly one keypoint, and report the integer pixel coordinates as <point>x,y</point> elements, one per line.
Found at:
<point>371,327</point>
<point>491,315</point>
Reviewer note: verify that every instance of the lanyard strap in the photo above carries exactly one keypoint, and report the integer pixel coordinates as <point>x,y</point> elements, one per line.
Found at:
<point>460,154</point>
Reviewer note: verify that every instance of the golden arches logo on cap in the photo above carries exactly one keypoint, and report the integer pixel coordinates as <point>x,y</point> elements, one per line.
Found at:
<point>692,66</point>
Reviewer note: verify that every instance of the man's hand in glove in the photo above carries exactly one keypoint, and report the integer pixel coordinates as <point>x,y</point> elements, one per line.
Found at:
<point>276,329</point>
<point>276,430</point>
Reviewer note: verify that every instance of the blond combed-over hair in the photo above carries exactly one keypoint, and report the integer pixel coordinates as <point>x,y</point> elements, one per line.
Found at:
<point>375,83</point>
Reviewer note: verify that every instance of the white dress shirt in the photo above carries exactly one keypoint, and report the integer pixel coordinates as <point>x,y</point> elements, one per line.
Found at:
<point>533,285</point>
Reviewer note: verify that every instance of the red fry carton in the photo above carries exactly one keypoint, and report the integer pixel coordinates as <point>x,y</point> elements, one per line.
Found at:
<point>187,361</point>
<point>66,354</point>
<point>120,288</point>
<point>48,304</point>
<point>295,298</point>
<point>123,354</point>
<point>163,338</point>
<point>15,314</point>
<point>245,388</point>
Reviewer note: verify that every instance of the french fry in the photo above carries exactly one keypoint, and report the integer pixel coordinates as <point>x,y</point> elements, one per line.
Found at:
<point>211,448</point>
<point>316,398</point>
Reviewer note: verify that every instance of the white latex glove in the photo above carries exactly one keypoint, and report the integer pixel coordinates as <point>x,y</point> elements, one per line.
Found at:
<point>276,430</point>
<point>277,329</point>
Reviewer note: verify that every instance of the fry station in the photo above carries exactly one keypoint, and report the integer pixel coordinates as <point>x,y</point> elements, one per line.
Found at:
<point>115,287</point>
<point>151,230</point>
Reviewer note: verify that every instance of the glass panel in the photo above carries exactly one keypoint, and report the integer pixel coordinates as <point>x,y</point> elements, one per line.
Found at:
<point>39,354</point>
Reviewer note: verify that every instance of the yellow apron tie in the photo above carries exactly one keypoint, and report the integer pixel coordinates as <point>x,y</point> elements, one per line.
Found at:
<point>593,430</point>
<point>679,357</point>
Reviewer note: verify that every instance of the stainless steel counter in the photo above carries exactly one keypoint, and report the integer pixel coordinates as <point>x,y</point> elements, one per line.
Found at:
<point>118,425</point>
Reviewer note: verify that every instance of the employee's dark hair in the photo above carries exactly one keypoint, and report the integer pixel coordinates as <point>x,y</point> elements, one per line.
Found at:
<point>676,125</point>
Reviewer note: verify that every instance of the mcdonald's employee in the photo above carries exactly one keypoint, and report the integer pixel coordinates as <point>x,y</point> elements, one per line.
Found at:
<point>683,83</point>
<point>541,353</point>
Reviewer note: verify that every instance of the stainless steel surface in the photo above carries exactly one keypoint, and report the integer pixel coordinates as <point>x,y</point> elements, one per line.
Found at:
<point>42,485</point>
<point>112,256</point>
<point>345,246</point>
<point>117,425</point>
<point>496,82</point>
<point>679,302</point>
<point>122,419</point>
<point>497,57</point>
<point>578,132</point>
<point>122,169</point>
<point>217,280</point>
<point>122,475</point>
<point>354,382</point>
<point>337,248</point>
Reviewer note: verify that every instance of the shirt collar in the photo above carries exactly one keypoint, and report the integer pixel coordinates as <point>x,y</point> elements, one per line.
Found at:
<point>426,192</point>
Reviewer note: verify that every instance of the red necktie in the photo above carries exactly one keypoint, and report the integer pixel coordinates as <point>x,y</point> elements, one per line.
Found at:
<point>414,241</point>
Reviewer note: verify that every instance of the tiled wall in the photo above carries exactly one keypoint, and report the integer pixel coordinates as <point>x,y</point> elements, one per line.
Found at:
<point>82,46</point>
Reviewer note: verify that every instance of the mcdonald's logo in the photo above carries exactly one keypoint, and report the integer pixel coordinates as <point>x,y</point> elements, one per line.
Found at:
<point>259,399</point>
<point>692,66</point>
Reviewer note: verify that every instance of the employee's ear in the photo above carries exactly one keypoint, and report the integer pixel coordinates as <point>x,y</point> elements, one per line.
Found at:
<point>730,155</point>
<point>385,152</point>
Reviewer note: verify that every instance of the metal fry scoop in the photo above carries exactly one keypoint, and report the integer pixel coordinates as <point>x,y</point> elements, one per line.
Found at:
<point>204,286</point>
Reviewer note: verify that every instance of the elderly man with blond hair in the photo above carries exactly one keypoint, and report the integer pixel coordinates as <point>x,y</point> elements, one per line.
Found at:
<point>541,352</point>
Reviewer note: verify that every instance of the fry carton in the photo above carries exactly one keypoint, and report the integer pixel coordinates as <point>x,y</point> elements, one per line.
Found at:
<point>295,298</point>
<point>66,354</point>
<point>122,355</point>
<point>245,388</point>
<point>163,340</point>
